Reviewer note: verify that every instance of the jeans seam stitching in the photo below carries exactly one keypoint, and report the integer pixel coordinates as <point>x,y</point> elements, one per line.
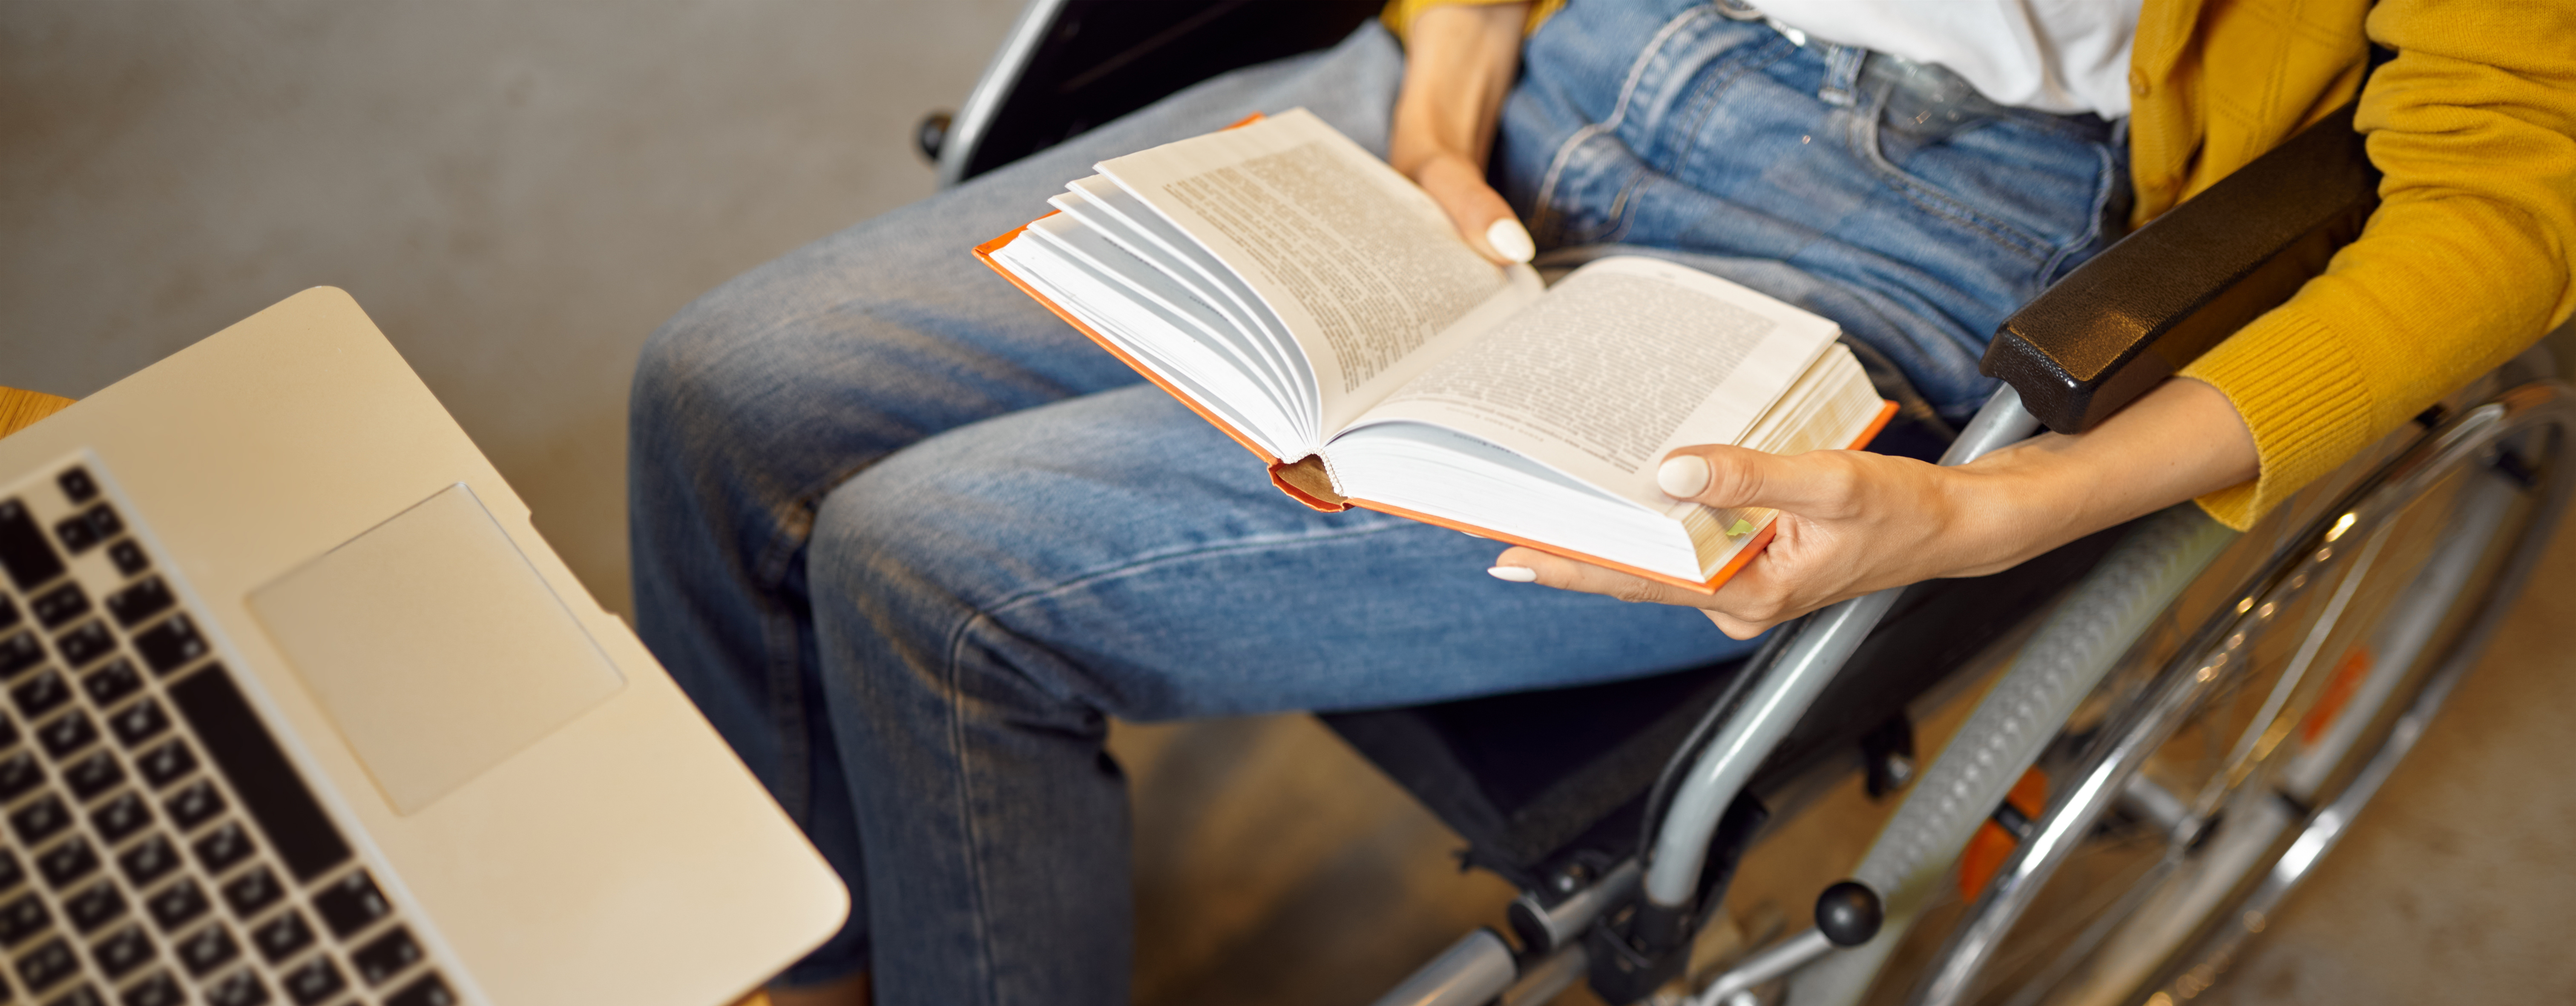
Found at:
<point>977,876</point>
<point>1941,204</point>
<point>1779,49</point>
<point>1090,577</point>
<point>954,669</point>
<point>1618,111</point>
<point>2101,202</point>
<point>1862,137</point>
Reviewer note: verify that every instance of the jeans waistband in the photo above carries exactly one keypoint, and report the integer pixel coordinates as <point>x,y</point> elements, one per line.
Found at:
<point>1924,93</point>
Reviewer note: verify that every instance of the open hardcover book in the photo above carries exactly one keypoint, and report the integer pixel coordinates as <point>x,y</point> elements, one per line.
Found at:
<point>1320,309</point>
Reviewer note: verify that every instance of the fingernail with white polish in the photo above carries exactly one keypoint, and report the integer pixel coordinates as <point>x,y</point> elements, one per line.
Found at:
<point>1682,475</point>
<point>1516,574</point>
<point>1511,240</point>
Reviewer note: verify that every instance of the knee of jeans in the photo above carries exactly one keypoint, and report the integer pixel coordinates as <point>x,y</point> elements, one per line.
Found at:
<point>888,533</point>
<point>719,380</point>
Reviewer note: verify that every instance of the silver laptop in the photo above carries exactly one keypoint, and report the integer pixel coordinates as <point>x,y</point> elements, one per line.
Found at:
<point>300,709</point>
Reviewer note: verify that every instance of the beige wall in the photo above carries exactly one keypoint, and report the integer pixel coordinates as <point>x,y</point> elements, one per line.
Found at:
<point>518,192</point>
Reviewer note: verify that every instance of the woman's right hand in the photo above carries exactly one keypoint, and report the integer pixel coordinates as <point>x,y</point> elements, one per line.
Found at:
<point>1458,67</point>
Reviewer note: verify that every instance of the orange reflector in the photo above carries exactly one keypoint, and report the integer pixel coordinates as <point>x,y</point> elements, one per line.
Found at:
<point>2339,688</point>
<point>1991,845</point>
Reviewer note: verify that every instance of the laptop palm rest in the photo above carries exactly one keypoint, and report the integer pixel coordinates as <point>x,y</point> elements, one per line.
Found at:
<point>435,648</point>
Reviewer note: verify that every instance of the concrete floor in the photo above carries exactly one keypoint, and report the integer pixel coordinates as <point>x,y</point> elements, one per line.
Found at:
<point>520,192</point>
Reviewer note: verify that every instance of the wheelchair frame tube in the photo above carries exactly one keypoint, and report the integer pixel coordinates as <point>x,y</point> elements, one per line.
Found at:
<point>1826,640</point>
<point>1473,971</point>
<point>975,117</point>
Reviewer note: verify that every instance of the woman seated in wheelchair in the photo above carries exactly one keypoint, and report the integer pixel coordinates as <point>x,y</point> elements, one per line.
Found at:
<point>911,541</point>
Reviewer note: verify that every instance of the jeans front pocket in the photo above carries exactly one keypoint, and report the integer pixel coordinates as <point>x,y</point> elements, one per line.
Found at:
<point>2032,185</point>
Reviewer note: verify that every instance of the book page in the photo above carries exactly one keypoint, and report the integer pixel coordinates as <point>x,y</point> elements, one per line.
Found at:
<point>1100,204</point>
<point>1363,269</point>
<point>1622,361</point>
<point>1178,305</point>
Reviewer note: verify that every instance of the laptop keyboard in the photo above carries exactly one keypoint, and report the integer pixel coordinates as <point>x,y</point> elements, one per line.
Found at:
<point>159,847</point>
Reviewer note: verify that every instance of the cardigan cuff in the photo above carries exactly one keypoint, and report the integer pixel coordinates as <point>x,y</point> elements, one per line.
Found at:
<point>2302,395</point>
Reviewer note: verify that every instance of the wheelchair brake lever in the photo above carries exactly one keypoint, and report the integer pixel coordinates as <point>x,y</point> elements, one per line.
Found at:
<point>1847,915</point>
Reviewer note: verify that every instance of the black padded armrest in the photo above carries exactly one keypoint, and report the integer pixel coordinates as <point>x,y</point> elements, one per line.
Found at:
<point>2149,305</point>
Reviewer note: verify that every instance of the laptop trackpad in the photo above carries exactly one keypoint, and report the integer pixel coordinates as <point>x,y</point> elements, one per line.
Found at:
<point>435,647</point>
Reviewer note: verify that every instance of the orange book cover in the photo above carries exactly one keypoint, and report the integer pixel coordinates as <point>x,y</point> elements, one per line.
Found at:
<point>1304,479</point>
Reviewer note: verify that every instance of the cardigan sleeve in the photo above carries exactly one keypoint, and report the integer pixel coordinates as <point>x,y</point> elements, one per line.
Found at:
<point>2465,263</point>
<point>1399,14</point>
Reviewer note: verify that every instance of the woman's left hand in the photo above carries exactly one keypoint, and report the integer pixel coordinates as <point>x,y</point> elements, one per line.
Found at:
<point>1852,522</point>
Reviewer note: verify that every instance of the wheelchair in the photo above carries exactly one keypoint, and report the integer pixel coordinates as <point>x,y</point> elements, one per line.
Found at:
<point>2171,722</point>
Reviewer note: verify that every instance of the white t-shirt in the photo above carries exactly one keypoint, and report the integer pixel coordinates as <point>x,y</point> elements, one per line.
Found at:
<point>2062,56</point>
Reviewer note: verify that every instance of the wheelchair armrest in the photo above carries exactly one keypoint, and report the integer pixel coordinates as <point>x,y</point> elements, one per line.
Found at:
<point>2149,305</point>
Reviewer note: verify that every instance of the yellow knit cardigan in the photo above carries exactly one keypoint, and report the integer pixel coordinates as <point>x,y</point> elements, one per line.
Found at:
<point>2465,263</point>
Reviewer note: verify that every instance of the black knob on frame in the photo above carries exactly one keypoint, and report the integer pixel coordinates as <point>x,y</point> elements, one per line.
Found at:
<point>1848,913</point>
<point>932,134</point>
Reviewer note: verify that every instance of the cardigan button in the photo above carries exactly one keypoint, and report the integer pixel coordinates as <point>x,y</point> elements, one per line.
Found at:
<point>2138,83</point>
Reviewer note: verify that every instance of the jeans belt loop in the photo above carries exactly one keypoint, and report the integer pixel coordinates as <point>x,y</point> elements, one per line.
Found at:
<point>1842,75</point>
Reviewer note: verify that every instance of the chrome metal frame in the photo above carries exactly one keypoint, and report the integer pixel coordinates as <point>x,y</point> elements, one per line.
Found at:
<point>2197,670</point>
<point>994,86</point>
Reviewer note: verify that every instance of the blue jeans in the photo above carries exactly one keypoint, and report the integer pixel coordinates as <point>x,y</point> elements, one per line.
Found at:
<point>910,541</point>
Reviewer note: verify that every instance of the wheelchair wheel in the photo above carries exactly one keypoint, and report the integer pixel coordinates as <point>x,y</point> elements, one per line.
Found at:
<point>2177,824</point>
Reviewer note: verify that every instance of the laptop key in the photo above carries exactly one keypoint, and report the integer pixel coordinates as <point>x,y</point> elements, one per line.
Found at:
<point>122,815</point>
<point>23,918</point>
<point>252,892</point>
<point>12,872</point>
<point>77,485</point>
<point>94,775</point>
<point>19,652</point>
<point>42,819</point>
<point>123,951</point>
<point>59,605</point>
<point>47,965</point>
<point>314,981</point>
<point>271,788</point>
<point>67,734</point>
<point>207,949</point>
<point>18,774</point>
<point>430,990</point>
<point>141,601</point>
<point>104,522</point>
<point>385,957</point>
<point>65,864</point>
<point>9,617</point>
<point>282,937</point>
<point>167,764</point>
<point>84,994</point>
<point>109,685</point>
<point>76,533</point>
<point>95,906</point>
<point>195,805</point>
<point>149,860</point>
<point>171,645</point>
<point>240,988</point>
<point>8,731</point>
<point>128,557</point>
<point>139,722</point>
<point>41,694</point>
<point>351,903</point>
<point>157,990</point>
<point>218,850</point>
<point>177,905</point>
<point>24,552</point>
<point>85,644</point>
